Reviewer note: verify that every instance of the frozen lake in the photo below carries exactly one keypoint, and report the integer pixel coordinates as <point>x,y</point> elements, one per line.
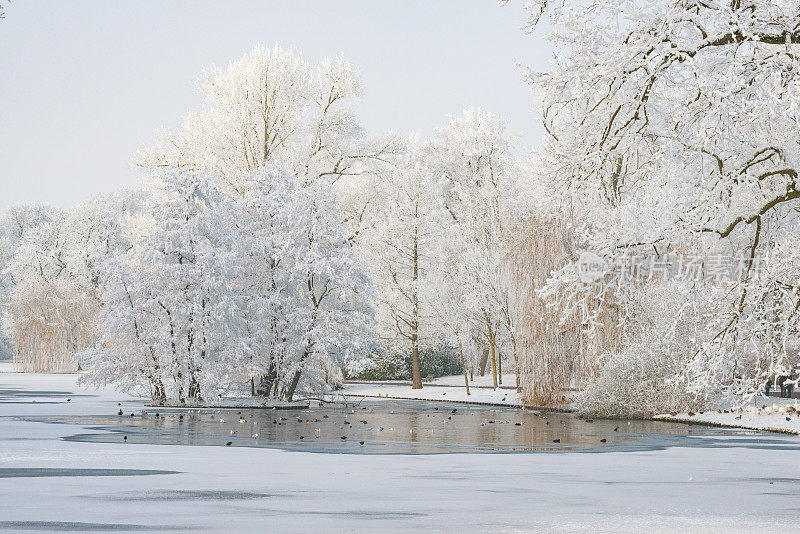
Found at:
<point>65,467</point>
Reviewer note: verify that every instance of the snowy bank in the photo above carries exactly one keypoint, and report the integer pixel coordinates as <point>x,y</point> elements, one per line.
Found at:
<point>777,417</point>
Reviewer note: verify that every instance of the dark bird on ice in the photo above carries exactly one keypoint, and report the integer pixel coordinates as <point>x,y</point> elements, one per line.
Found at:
<point>119,412</point>
<point>557,440</point>
<point>229,444</point>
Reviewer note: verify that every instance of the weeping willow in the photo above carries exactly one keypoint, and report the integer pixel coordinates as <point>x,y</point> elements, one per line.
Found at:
<point>557,349</point>
<point>51,322</point>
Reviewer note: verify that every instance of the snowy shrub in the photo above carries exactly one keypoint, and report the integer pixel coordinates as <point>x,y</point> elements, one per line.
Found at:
<point>648,375</point>
<point>638,381</point>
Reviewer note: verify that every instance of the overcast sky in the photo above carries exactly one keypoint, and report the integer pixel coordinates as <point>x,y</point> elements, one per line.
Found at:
<point>85,83</point>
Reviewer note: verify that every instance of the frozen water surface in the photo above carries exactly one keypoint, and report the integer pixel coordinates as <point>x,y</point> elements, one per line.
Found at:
<point>65,467</point>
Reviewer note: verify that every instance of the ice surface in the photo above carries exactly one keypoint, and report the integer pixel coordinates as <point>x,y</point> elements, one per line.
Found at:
<point>740,485</point>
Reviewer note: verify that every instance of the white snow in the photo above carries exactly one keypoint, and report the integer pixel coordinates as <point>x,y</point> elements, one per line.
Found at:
<point>780,416</point>
<point>447,388</point>
<point>242,489</point>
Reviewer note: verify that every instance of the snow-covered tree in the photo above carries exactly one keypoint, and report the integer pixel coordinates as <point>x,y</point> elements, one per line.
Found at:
<point>273,107</point>
<point>471,157</point>
<point>52,320</point>
<point>404,249</point>
<point>170,320</point>
<point>13,225</point>
<point>61,250</point>
<point>224,296</point>
<point>672,130</point>
<point>307,297</point>
<point>332,315</point>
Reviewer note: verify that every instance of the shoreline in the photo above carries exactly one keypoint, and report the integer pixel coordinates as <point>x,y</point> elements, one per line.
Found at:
<point>782,418</point>
<point>696,422</point>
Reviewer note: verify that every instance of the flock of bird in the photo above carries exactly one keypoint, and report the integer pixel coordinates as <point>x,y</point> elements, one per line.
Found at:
<point>218,416</point>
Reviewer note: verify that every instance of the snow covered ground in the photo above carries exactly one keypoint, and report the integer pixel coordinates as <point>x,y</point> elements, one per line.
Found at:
<point>739,484</point>
<point>780,415</point>
<point>447,388</point>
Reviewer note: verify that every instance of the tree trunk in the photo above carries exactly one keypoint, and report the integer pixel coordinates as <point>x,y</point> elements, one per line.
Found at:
<point>194,390</point>
<point>266,383</point>
<point>296,378</point>
<point>494,365</point>
<point>500,367</point>
<point>516,363</point>
<point>416,378</point>
<point>464,366</point>
<point>293,386</point>
<point>490,337</point>
<point>484,360</point>
<point>158,393</point>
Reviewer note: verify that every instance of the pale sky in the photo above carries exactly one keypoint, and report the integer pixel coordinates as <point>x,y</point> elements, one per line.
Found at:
<point>84,83</point>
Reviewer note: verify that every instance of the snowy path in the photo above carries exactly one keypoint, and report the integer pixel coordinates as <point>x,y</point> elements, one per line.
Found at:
<point>748,483</point>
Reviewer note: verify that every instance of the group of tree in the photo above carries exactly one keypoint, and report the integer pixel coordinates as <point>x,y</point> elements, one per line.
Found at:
<point>275,243</point>
<point>272,244</point>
